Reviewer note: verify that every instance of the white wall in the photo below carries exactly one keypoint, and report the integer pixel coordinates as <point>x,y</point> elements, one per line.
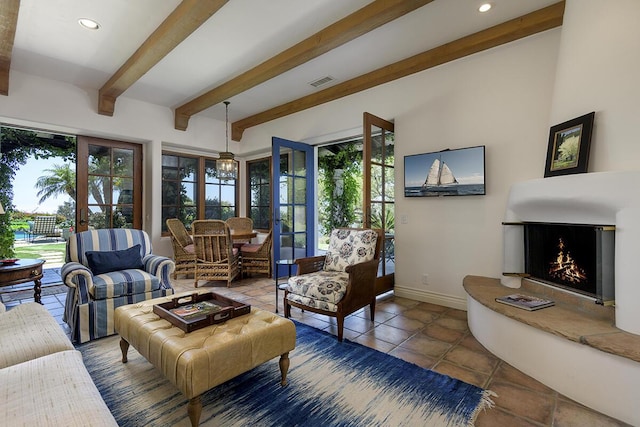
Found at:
<point>598,69</point>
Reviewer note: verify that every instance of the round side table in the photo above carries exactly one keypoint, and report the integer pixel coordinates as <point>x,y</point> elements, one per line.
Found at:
<point>23,270</point>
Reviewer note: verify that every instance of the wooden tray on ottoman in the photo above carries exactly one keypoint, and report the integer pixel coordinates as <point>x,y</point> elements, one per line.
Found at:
<point>197,311</point>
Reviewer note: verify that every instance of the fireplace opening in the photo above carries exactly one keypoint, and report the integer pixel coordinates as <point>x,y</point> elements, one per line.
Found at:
<point>576,257</point>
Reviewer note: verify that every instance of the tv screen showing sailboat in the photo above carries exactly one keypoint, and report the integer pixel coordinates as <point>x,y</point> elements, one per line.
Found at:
<point>458,172</point>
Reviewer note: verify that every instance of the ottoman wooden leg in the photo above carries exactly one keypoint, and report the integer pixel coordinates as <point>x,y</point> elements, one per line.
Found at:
<point>284,368</point>
<point>124,347</point>
<point>194,409</point>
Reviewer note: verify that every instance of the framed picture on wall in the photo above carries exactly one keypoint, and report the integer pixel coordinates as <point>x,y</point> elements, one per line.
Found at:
<point>569,145</point>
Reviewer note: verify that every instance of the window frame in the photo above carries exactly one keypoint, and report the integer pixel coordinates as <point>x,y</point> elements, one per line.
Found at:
<point>249,187</point>
<point>200,183</point>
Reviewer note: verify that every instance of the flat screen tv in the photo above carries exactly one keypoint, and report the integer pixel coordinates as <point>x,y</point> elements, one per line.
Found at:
<point>458,172</point>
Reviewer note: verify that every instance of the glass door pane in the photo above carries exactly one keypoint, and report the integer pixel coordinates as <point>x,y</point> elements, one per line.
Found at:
<point>379,202</point>
<point>109,181</point>
<point>292,189</point>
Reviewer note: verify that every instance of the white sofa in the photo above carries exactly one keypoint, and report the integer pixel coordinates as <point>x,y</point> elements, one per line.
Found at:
<point>43,381</point>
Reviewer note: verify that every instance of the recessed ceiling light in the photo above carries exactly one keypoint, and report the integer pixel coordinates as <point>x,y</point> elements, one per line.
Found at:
<point>89,24</point>
<point>484,7</point>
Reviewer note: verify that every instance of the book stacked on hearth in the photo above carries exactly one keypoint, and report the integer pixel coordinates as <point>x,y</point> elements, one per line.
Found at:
<point>526,302</point>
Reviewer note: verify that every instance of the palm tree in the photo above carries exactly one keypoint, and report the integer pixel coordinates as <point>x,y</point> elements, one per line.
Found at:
<point>61,180</point>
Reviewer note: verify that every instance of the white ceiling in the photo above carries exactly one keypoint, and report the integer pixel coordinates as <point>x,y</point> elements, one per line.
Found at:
<point>50,43</point>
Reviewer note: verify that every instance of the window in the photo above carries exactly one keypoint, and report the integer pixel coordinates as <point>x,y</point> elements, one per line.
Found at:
<point>259,193</point>
<point>191,190</point>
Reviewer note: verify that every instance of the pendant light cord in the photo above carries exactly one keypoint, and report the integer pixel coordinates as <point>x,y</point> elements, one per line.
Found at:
<point>226,103</point>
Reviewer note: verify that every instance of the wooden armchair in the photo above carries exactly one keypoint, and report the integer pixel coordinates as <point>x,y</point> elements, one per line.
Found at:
<point>216,259</point>
<point>256,258</point>
<point>184,253</point>
<point>340,282</point>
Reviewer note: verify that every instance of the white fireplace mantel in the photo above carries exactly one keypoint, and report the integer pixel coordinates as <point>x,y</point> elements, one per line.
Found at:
<point>602,198</point>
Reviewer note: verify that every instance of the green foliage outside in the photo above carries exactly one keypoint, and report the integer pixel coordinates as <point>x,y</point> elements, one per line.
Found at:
<point>339,206</point>
<point>17,146</point>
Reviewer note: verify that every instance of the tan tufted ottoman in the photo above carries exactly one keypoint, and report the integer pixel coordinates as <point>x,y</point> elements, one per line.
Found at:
<point>200,360</point>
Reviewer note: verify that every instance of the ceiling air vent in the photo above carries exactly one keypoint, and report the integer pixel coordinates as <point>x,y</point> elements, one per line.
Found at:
<point>321,81</point>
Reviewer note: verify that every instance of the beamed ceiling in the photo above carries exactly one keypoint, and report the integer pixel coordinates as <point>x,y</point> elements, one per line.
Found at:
<point>192,55</point>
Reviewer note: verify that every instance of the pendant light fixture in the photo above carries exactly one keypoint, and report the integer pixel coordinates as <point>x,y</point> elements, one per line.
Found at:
<point>226,167</point>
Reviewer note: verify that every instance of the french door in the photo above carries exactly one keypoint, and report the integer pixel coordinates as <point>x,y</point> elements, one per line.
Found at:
<point>109,184</point>
<point>293,202</point>
<point>379,202</point>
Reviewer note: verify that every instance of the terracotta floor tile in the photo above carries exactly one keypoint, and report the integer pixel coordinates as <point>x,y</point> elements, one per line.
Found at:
<point>467,375</point>
<point>471,343</point>
<point>450,323</point>
<point>422,344</point>
<point>434,308</point>
<point>507,373</point>
<point>371,342</point>
<point>412,357</point>
<point>443,334</point>
<point>569,414</point>
<point>481,362</point>
<point>456,314</point>
<point>358,324</point>
<point>402,322</point>
<point>496,417</point>
<point>525,403</point>
<point>389,334</point>
<point>420,315</point>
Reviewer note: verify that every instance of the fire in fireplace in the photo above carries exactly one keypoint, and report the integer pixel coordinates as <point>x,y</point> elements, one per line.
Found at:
<point>576,257</point>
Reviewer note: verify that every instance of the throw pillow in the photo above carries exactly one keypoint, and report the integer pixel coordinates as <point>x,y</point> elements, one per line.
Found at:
<point>101,262</point>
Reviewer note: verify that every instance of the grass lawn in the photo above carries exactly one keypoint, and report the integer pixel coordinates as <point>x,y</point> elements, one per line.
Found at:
<point>48,251</point>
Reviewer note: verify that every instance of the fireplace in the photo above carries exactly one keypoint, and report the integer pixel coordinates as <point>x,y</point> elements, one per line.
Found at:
<point>588,198</point>
<point>575,257</point>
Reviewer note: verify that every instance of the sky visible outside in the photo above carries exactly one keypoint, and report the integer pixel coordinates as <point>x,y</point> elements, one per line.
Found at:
<point>24,187</point>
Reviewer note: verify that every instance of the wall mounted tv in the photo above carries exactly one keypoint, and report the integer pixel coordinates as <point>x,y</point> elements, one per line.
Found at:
<point>458,172</point>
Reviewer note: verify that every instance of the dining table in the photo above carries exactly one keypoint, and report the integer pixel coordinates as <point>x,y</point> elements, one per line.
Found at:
<point>243,234</point>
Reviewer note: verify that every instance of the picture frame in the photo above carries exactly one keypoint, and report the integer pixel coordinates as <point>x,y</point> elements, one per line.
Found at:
<point>569,146</point>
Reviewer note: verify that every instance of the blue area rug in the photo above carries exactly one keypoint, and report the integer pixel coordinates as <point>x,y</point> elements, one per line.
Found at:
<point>330,384</point>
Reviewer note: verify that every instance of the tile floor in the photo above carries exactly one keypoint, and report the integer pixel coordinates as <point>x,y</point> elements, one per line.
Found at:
<point>431,336</point>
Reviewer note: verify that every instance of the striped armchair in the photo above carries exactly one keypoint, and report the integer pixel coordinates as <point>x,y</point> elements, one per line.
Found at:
<point>103,272</point>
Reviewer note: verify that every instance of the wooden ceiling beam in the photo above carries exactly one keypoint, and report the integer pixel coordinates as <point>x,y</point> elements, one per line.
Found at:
<point>8,23</point>
<point>187,17</point>
<point>524,26</point>
<point>358,23</point>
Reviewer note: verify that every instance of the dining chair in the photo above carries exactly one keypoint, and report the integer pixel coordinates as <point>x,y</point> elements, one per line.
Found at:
<point>216,258</point>
<point>184,253</point>
<point>256,257</point>
<point>240,225</point>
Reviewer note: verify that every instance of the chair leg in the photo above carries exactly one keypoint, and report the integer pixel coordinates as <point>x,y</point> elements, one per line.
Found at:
<point>340,327</point>
<point>372,309</point>
<point>287,307</point>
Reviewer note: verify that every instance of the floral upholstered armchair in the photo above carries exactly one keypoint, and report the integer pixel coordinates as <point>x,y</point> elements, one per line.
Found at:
<point>340,282</point>
<point>105,269</point>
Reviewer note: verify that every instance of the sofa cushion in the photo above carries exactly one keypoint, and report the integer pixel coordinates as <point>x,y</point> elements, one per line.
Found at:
<point>107,261</point>
<point>349,247</point>
<point>53,390</point>
<point>28,331</point>
<point>123,282</point>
